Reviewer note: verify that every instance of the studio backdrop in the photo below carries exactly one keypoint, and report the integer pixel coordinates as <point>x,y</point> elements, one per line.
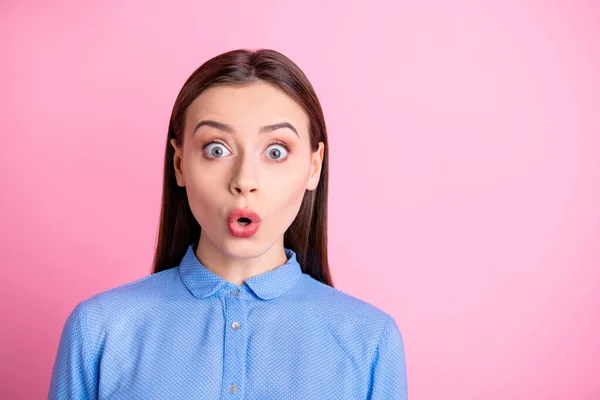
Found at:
<point>464,171</point>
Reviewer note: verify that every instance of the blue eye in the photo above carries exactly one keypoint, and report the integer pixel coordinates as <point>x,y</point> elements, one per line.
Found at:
<point>215,150</point>
<point>275,151</point>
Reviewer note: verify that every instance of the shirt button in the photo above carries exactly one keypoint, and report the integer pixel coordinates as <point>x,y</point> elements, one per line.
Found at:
<point>235,326</point>
<point>235,292</point>
<point>233,389</point>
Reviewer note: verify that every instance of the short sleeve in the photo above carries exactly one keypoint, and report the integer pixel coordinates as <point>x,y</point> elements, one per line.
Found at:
<point>388,369</point>
<point>75,372</point>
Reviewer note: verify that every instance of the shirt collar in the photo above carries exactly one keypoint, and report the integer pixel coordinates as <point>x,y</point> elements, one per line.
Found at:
<point>271,284</point>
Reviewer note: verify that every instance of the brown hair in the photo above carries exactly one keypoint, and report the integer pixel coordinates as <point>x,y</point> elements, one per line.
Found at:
<point>307,235</point>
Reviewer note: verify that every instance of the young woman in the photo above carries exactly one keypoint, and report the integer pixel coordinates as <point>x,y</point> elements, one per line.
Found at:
<point>241,303</point>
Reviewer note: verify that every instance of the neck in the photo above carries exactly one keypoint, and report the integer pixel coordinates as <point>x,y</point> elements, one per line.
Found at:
<point>242,265</point>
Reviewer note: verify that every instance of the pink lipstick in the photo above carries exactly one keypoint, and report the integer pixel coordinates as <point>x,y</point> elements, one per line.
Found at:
<point>243,222</point>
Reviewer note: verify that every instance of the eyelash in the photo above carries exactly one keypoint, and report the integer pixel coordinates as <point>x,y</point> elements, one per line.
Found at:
<point>285,146</point>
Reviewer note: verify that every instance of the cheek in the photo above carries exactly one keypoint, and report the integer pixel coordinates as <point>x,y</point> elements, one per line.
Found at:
<point>286,195</point>
<point>202,195</point>
<point>199,175</point>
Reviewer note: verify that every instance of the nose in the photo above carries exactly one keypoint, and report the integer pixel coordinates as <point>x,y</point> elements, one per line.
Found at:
<point>245,176</point>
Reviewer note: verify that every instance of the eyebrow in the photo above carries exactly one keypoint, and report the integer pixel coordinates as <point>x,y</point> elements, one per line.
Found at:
<point>226,128</point>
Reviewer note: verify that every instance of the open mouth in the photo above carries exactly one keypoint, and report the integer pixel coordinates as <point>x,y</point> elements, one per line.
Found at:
<point>244,221</point>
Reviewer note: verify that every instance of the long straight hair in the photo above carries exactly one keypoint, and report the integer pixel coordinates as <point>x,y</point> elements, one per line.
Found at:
<point>307,235</point>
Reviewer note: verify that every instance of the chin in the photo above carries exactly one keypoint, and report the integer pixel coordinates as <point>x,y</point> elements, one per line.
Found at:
<point>243,248</point>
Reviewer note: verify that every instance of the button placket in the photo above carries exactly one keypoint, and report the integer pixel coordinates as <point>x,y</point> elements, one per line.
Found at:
<point>235,344</point>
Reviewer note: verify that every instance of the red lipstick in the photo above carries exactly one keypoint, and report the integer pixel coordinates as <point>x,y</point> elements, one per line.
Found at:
<point>243,222</point>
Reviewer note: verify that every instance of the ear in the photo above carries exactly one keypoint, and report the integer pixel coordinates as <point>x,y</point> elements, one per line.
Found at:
<point>177,164</point>
<point>315,169</point>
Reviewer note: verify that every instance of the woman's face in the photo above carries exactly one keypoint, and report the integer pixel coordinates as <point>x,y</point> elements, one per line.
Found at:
<point>246,147</point>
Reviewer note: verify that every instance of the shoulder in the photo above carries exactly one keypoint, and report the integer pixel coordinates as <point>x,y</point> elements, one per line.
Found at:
<point>346,311</point>
<point>337,300</point>
<point>364,330</point>
<point>137,296</point>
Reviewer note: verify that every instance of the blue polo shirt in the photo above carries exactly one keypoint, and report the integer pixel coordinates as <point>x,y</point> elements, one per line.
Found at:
<point>186,333</point>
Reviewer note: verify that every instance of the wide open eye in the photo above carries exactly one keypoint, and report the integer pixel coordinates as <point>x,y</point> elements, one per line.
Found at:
<point>216,150</point>
<point>277,152</point>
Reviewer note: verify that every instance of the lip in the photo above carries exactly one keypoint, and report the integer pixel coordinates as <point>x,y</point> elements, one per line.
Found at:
<point>238,230</point>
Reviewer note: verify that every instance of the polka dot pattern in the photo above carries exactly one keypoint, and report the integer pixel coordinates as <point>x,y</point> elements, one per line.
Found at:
<point>186,333</point>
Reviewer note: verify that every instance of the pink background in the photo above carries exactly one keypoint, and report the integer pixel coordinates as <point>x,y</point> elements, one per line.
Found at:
<point>465,136</point>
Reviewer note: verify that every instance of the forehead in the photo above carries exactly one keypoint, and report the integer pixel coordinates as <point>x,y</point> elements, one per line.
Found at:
<point>253,104</point>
